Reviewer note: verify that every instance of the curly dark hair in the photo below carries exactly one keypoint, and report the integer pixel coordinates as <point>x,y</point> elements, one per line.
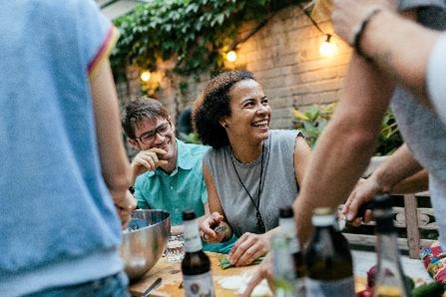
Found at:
<point>213,104</point>
<point>140,109</point>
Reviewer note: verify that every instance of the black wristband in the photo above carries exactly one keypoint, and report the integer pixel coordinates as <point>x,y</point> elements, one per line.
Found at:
<point>360,31</point>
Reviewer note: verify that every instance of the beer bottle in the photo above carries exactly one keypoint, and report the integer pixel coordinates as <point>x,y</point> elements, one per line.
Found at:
<point>196,266</point>
<point>288,229</point>
<point>283,268</point>
<point>390,281</point>
<point>329,265</point>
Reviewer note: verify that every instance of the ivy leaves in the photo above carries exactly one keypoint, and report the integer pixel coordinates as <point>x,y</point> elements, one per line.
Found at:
<point>191,32</point>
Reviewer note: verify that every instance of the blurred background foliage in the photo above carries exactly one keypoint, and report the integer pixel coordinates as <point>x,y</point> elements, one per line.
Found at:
<point>196,34</point>
<point>313,119</point>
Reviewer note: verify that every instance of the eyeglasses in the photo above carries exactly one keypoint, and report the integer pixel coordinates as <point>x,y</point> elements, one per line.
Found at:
<point>148,137</point>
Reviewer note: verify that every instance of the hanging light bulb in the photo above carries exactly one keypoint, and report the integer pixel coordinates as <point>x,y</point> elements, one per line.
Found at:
<point>145,76</point>
<point>327,48</point>
<point>231,56</point>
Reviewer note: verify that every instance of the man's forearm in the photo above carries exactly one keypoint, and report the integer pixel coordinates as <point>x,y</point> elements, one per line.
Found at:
<point>345,147</point>
<point>419,182</point>
<point>395,169</point>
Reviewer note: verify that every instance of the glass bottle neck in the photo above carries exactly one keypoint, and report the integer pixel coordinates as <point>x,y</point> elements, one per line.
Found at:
<point>390,279</point>
<point>387,247</point>
<point>289,230</point>
<point>192,240</point>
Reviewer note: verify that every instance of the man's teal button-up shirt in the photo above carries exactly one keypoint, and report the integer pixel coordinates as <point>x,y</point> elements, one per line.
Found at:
<point>181,189</point>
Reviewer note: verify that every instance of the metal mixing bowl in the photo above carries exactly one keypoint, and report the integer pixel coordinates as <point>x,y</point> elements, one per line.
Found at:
<point>142,248</point>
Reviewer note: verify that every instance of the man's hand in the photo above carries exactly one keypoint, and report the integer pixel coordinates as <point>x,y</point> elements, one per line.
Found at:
<point>364,191</point>
<point>208,226</point>
<point>349,14</point>
<point>147,161</point>
<point>249,247</point>
<point>125,207</point>
<point>265,270</point>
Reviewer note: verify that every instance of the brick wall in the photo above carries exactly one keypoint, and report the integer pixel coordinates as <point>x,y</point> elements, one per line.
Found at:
<point>284,56</point>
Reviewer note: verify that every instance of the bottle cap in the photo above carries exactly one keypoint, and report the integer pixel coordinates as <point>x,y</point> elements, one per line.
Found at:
<point>323,211</point>
<point>382,201</point>
<point>189,214</point>
<point>286,212</point>
<point>323,216</point>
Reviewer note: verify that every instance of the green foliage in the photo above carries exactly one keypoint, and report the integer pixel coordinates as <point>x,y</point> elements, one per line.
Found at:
<point>389,137</point>
<point>195,33</point>
<point>190,138</point>
<point>315,118</point>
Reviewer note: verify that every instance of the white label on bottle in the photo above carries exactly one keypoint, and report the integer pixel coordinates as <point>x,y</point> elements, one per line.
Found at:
<point>344,287</point>
<point>198,285</point>
<point>192,240</point>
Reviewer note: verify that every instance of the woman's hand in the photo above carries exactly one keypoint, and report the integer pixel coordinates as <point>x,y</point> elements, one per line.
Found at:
<point>249,247</point>
<point>208,226</point>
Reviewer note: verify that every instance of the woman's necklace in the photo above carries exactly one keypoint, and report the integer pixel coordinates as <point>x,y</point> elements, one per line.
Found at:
<point>260,223</point>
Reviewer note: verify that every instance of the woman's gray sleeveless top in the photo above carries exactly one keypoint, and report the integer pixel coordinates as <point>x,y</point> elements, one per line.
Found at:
<point>279,186</point>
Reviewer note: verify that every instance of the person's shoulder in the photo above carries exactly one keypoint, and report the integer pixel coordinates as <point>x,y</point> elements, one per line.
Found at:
<point>213,154</point>
<point>65,9</point>
<point>196,149</point>
<point>282,134</point>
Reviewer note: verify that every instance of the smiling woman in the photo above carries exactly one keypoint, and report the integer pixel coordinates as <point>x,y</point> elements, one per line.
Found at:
<point>251,171</point>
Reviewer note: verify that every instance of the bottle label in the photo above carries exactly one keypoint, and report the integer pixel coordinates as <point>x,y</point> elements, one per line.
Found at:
<point>343,287</point>
<point>192,240</point>
<point>198,285</point>
<point>388,291</point>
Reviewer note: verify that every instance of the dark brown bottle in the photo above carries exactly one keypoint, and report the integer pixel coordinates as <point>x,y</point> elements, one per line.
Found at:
<point>329,265</point>
<point>196,266</point>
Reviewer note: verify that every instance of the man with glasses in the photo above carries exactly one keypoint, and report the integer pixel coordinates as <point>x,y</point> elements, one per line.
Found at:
<point>167,172</point>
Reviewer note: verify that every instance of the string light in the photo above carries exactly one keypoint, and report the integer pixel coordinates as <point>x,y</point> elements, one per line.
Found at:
<point>145,76</point>
<point>327,48</point>
<point>231,56</point>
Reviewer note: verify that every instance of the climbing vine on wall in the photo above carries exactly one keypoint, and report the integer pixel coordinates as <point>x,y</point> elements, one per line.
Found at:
<point>194,33</point>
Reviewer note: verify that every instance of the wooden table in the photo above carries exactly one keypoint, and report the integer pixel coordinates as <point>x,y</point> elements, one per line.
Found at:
<point>172,278</point>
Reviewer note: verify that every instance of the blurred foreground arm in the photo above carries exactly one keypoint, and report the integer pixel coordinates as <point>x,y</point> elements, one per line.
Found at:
<point>388,41</point>
<point>345,147</point>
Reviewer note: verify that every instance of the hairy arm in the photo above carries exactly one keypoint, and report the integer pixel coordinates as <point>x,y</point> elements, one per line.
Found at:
<point>346,145</point>
<point>397,172</point>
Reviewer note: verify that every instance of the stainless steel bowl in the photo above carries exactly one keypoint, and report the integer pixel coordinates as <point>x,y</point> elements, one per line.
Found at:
<point>141,249</point>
